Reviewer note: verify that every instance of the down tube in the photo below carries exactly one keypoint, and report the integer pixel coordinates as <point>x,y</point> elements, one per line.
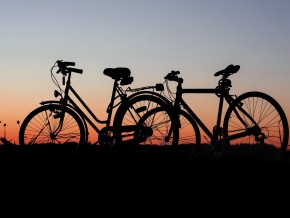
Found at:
<point>194,116</point>
<point>84,116</point>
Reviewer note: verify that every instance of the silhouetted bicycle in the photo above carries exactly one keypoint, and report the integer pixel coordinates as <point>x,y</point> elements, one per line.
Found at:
<point>63,121</point>
<point>251,118</point>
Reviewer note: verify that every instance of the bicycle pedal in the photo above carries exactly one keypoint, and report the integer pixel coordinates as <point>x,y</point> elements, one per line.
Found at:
<point>56,116</point>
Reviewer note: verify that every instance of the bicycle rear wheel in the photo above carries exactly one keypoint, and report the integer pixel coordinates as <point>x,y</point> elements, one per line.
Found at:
<point>40,125</point>
<point>162,122</point>
<point>267,113</point>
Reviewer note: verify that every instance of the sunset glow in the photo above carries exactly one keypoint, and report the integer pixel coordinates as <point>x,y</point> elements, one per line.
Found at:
<point>151,38</point>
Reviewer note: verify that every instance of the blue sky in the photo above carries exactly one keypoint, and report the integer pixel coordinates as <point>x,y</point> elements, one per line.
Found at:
<point>152,37</point>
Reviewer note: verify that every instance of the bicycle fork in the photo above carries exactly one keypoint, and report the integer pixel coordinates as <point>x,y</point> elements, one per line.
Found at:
<point>48,125</point>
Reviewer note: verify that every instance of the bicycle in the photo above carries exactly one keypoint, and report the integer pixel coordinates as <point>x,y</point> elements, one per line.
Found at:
<point>63,121</point>
<point>251,118</point>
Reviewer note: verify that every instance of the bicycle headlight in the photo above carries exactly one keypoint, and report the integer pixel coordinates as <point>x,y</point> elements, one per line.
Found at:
<point>159,87</point>
<point>56,93</point>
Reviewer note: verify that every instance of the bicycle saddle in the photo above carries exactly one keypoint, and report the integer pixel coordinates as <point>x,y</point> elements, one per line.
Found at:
<point>229,70</point>
<point>117,73</point>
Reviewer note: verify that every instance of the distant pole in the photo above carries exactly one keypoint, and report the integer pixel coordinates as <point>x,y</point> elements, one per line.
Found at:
<point>4,130</point>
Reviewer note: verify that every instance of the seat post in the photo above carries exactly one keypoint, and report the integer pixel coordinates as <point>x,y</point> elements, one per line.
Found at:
<point>111,105</point>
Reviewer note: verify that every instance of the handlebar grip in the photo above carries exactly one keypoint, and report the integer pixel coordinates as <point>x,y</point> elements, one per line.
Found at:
<point>175,72</point>
<point>172,75</point>
<point>67,63</point>
<point>75,70</point>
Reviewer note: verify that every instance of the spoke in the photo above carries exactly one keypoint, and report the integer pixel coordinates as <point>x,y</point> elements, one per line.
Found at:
<point>40,128</point>
<point>265,114</point>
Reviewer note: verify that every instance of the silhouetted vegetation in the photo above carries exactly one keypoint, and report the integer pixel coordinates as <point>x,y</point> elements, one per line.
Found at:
<point>123,153</point>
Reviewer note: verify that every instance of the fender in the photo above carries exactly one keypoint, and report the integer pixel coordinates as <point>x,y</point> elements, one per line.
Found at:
<point>137,94</point>
<point>151,93</point>
<point>55,102</point>
<point>49,102</point>
<point>58,102</point>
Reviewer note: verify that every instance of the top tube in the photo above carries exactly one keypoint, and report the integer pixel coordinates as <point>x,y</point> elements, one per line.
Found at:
<point>205,91</point>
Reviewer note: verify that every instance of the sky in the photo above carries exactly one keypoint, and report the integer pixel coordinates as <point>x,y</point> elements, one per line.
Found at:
<point>151,38</point>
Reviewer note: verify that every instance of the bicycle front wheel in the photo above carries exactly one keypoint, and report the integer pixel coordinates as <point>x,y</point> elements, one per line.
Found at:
<point>189,134</point>
<point>156,128</point>
<point>266,112</point>
<point>40,126</point>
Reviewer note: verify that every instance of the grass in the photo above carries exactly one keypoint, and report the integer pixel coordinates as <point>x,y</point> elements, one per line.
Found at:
<point>50,152</point>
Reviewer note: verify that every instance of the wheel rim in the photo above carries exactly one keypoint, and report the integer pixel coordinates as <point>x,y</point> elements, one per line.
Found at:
<point>41,129</point>
<point>268,117</point>
<point>189,135</point>
<point>128,116</point>
<point>154,127</point>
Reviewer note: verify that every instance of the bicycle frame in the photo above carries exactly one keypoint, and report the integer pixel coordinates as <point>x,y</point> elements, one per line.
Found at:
<point>217,131</point>
<point>67,101</point>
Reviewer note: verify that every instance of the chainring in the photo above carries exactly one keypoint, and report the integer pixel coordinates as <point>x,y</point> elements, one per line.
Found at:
<point>106,137</point>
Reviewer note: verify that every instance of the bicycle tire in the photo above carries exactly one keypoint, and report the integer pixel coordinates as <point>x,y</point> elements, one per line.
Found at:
<point>189,134</point>
<point>155,120</point>
<point>267,113</point>
<point>38,126</point>
<point>129,114</point>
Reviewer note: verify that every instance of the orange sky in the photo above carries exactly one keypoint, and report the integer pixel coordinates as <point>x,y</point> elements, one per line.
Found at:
<point>151,38</point>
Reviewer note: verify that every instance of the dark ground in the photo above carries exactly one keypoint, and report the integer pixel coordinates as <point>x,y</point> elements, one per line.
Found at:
<point>243,163</point>
<point>130,172</point>
<point>238,155</point>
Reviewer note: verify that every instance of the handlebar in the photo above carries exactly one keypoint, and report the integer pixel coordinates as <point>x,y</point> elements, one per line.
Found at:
<point>64,69</point>
<point>75,70</point>
<point>172,76</point>
<point>65,63</point>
